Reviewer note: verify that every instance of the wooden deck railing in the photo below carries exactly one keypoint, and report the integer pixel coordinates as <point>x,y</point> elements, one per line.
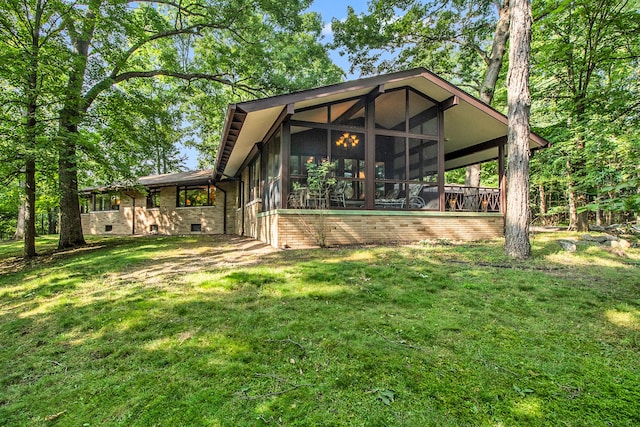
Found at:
<point>471,199</point>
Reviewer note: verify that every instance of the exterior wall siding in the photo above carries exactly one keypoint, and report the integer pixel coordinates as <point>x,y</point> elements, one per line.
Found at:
<point>169,219</point>
<point>295,229</point>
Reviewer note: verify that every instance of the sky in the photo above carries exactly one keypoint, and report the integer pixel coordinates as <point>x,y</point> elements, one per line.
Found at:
<point>336,9</point>
<point>328,9</point>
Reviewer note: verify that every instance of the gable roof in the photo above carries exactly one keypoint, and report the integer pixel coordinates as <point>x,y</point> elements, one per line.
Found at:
<point>473,130</point>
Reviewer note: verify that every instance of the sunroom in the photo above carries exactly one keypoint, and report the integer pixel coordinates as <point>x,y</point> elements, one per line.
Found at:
<point>389,141</point>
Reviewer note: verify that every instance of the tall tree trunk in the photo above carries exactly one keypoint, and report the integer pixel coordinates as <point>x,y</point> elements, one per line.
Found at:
<point>70,220</point>
<point>30,209</point>
<point>638,192</point>
<point>52,215</point>
<point>31,136</point>
<point>19,234</point>
<point>30,164</point>
<point>573,209</point>
<point>494,64</point>
<point>517,243</point>
<point>543,203</point>
<point>70,116</point>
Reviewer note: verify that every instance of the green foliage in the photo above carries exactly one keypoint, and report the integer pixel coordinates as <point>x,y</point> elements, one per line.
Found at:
<point>82,66</point>
<point>321,176</point>
<point>585,57</point>
<point>129,332</point>
<point>449,38</point>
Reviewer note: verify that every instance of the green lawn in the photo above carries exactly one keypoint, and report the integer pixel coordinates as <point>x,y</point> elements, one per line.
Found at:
<point>193,331</point>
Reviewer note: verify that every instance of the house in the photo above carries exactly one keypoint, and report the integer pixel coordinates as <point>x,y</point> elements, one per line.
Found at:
<point>391,138</point>
<point>176,203</point>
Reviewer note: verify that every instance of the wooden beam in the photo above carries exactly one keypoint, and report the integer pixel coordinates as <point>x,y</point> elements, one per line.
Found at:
<point>376,92</point>
<point>449,102</point>
<point>467,151</point>
<point>441,161</point>
<point>502,179</point>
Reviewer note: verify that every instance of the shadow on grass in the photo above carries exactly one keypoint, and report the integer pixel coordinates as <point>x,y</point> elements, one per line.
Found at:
<point>319,337</point>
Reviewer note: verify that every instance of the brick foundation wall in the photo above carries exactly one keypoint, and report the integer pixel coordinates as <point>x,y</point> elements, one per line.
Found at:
<point>294,229</point>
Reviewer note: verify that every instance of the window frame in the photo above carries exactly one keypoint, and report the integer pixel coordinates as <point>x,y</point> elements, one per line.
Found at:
<point>152,195</point>
<point>98,200</point>
<point>186,188</point>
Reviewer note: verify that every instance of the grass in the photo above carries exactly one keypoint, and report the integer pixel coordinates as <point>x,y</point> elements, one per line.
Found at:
<point>220,332</point>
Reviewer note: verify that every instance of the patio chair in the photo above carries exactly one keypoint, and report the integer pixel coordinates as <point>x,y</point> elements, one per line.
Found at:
<point>337,196</point>
<point>392,199</point>
<point>415,199</point>
<point>298,198</point>
<point>318,199</point>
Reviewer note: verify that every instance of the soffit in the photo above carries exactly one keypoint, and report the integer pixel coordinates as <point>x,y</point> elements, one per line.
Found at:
<point>468,123</point>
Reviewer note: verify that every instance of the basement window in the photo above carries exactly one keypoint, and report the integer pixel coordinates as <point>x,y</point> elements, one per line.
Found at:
<point>153,228</point>
<point>108,228</point>
<point>196,228</point>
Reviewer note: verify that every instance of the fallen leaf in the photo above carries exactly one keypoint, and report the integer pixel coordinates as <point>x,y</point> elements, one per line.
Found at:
<point>54,417</point>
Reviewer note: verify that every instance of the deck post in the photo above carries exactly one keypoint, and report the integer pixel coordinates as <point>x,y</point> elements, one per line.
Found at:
<point>441,198</point>
<point>502,178</point>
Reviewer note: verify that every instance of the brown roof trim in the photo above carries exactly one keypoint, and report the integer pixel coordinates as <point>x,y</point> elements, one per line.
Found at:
<point>232,126</point>
<point>303,95</point>
<point>236,113</point>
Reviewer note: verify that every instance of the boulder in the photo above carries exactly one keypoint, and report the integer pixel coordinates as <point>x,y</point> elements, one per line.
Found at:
<point>620,244</point>
<point>598,239</point>
<point>567,244</point>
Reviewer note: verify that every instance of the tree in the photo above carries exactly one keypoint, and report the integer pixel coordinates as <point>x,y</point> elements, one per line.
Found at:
<point>27,47</point>
<point>586,56</point>
<point>110,43</point>
<point>463,40</point>
<point>100,45</point>
<point>517,243</point>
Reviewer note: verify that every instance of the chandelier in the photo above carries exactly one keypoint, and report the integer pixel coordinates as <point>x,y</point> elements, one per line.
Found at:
<point>347,140</point>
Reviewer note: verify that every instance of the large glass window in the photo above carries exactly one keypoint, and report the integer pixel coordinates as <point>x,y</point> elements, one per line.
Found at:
<point>423,115</point>
<point>348,152</point>
<point>271,192</point>
<point>255,183</point>
<point>196,196</point>
<point>390,110</point>
<point>85,204</point>
<point>391,157</point>
<point>315,115</point>
<point>106,202</point>
<point>405,162</point>
<point>423,160</point>
<point>349,113</point>
<point>153,198</point>
<point>404,150</point>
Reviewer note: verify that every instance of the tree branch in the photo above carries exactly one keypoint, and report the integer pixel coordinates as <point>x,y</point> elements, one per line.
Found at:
<point>192,30</point>
<point>103,85</point>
